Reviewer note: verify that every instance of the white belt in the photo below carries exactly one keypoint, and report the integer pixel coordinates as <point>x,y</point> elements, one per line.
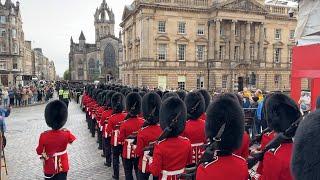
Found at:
<point>144,161</point>
<point>56,155</point>
<point>197,144</point>
<point>115,138</point>
<point>165,173</point>
<point>101,127</point>
<point>129,147</point>
<point>92,117</point>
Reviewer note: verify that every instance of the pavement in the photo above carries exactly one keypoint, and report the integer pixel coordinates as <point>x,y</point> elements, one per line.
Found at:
<point>24,127</point>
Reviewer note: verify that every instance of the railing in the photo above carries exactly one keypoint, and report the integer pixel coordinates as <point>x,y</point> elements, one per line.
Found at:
<point>192,3</point>
<point>276,9</point>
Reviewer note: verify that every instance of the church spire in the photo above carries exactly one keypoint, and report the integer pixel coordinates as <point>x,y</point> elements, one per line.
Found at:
<point>71,40</point>
<point>8,3</point>
<point>82,37</point>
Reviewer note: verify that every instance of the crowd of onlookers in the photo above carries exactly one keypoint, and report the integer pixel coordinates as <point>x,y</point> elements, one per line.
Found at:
<point>25,95</point>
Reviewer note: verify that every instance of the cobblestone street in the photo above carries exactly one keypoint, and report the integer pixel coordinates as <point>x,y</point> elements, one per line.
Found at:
<point>24,127</point>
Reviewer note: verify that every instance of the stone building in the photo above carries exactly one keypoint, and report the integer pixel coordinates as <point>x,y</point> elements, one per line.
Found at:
<point>215,44</point>
<point>97,61</point>
<point>11,43</point>
<point>27,61</point>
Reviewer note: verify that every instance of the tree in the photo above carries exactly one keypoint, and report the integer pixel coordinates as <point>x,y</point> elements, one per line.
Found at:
<point>67,75</point>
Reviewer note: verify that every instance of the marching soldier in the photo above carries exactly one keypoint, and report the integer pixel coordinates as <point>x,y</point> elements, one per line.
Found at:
<point>172,152</point>
<point>281,113</point>
<point>149,133</point>
<point>129,128</point>
<point>224,129</point>
<point>305,158</point>
<point>194,129</point>
<point>112,130</point>
<point>53,143</point>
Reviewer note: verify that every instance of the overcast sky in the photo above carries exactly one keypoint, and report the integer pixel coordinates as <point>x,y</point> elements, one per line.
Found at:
<point>49,24</point>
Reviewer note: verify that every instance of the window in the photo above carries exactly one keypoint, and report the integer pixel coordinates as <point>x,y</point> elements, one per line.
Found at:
<point>237,30</point>
<point>200,52</point>
<point>200,30</point>
<point>221,31</point>
<point>277,34</point>
<point>182,82</point>
<point>224,81</point>
<point>277,55</point>
<point>15,48</point>
<point>265,54</point>
<point>3,47</point>
<point>162,82</point>
<point>251,52</point>
<point>162,52</point>
<point>15,64</point>
<point>221,52</point>
<point>265,33</point>
<point>200,82</point>
<point>277,79</point>
<point>3,65</point>
<point>13,20</point>
<point>2,32</point>
<point>2,19</point>
<point>290,55</point>
<point>291,34</point>
<point>14,33</point>
<point>181,52</point>
<point>162,27</point>
<point>181,27</point>
<point>237,53</point>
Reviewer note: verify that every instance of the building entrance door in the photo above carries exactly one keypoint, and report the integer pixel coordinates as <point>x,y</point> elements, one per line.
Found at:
<point>240,84</point>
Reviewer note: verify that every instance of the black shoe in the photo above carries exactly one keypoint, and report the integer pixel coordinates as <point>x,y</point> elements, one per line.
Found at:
<point>115,177</point>
<point>107,164</point>
<point>100,148</point>
<point>102,155</point>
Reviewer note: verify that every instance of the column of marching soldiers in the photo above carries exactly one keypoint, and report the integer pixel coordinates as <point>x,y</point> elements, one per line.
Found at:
<point>179,135</point>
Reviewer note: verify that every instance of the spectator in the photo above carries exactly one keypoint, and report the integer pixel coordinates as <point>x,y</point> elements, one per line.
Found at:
<point>4,112</point>
<point>5,96</point>
<point>18,97</point>
<point>24,97</point>
<point>11,96</point>
<point>305,103</point>
<point>30,95</point>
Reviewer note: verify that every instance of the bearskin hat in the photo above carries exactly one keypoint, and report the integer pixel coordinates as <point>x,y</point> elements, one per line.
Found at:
<point>195,105</point>
<point>225,110</point>
<point>172,110</point>
<point>151,103</point>
<point>160,93</point>
<point>133,104</point>
<point>108,98</point>
<point>169,94</point>
<point>182,94</point>
<point>305,159</point>
<point>280,112</point>
<point>206,96</point>
<point>117,102</point>
<point>56,114</point>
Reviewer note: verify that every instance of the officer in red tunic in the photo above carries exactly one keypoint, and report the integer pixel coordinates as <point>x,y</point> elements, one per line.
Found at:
<point>149,133</point>
<point>112,130</point>
<point>281,111</point>
<point>224,126</point>
<point>194,129</point>
<point>172,152</point>
<point>53,143</point>
<point>305,157</point>
<point>128,128</point>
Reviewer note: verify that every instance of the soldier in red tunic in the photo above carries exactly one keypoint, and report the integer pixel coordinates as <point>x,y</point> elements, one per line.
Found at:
<point>172,152</point>
<point>149,133</point>
<point>194,129</point>
<point>112,130</point>
<point>128,128</point>
<point>224,129</point>
<point>53,143</point>
<point>305,158</point>
<point>281,111</point>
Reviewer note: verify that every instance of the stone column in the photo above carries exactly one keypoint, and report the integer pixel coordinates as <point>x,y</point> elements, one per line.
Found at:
<point>232,39</point>
<point>217,39</point>
<point>247,42</point>
<point>261,42</point>
<point>211,40</point>
<point>256,41</point>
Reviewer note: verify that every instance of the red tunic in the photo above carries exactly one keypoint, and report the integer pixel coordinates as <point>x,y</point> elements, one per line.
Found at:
<point>230,167</point>
<point>171,154</point>
<point>127,128</point>
<point>194,131</point>
<point>114,120</point>
<point>51,142</point>
<point>276,164</point>
<point>243,151</point>
<point>146,136</point>
<point>104,121</point>
<point>266,138</point>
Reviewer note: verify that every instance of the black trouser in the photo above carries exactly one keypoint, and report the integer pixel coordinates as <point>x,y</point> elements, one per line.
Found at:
<point>93,127</point>
<point>88,120</point>
<point>59,176</point>
<point>129,165</point>
<point>145,176</point>
<point>116,153</point>
<point>99,139</point>
<point>108,153</point>
<point>11,101</point>
<point>66,101</point>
